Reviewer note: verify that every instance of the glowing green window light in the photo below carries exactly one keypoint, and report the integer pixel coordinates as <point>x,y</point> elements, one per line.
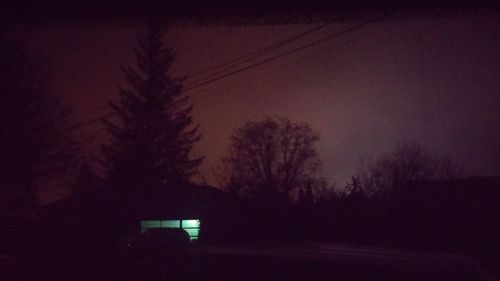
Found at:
<point>191,226</point>
<point>150,224</point>
<point>171,223</point>
<point>193,232</point>
<point>190,223</point>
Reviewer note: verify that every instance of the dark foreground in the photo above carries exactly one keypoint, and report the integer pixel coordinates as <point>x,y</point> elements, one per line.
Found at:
<point>305,261</point>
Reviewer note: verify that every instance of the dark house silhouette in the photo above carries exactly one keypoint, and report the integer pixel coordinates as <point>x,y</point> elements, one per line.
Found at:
<point>93,223</point>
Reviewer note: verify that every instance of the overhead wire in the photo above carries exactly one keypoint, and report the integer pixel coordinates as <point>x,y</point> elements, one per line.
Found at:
<point>237,60</point>
<point>93,120</point>
<point>294,50</point>
<point>246,68</point>
<point>232,63</point>
<point>266,74</point>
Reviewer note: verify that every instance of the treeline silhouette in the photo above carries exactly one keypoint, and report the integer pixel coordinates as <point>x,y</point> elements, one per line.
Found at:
<point>458,216</point>
<point>448,215</point>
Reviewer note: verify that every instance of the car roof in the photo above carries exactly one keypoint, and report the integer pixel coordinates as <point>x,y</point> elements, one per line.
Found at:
<point>163,231</point>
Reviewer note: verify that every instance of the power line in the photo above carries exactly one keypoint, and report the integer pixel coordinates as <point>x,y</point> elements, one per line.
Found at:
<point>217,78</point>
<point>235,61</point>
<point>280,55</point>
<point>85,123</point>
<point>254,54</point>
<point>263,75</point>
<point>222,67</point>
<point>267,74</point>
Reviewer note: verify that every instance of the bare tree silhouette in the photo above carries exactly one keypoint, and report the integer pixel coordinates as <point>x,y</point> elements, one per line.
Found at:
<point>409,161</point>
<point>273,157</point>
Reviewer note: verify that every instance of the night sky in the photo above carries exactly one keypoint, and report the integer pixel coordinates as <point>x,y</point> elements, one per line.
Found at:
<point>434,81</point>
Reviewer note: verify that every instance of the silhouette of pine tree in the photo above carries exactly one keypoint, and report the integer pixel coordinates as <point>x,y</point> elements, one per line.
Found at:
<point>152,139</point>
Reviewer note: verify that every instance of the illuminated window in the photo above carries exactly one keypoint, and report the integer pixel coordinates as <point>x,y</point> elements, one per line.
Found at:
<point>149,224</point>
<point>171,223</point>
<point>191,226</point>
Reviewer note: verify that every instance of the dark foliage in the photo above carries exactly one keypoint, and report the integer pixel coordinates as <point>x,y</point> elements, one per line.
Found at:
<point>36,145</point>
<point>152,139</point>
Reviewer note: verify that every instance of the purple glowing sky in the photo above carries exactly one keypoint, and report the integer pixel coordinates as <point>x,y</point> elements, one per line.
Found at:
<point>436,81</point>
